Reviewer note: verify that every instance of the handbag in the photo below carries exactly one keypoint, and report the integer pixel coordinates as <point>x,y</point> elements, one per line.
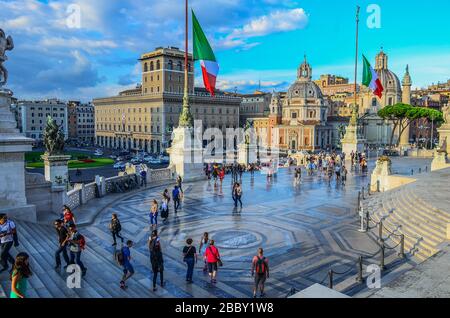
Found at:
<point>187,252</point>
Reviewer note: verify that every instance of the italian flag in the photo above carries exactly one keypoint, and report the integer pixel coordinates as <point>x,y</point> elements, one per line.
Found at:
<point>204,54</point>
<point>371,79</point>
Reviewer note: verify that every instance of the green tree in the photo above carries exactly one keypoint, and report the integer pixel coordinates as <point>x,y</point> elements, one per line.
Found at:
<point>402,115</point>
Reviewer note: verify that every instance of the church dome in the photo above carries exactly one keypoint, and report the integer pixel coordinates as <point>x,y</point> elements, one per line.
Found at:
<point>389,80</point>
<point>304,87</point>
<point>304,90</point>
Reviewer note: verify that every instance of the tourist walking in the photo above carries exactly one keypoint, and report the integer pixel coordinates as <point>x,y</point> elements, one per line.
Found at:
<point>221,175</point>
<point>337,170</point>
<point>68,217</point>
<point>204,243</point>
<point>143,175</point>
<point>77,244</point>
<point>213,259</point>
<point>237,194</point>
<point>8,238</point>
<point>154,215</point>
<point>190,258</point>
<point>19,276</point>
<point>128,269</point>
<point>156,258</point>
<point>180,183</point>
<point>260,269</point>
<point>344,175</point>
<point>115,228</point>
<point>176,198</point>
<point>63,235</point>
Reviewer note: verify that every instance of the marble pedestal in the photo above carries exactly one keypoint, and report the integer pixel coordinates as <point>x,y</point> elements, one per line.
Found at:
<point>439,160</point>
<point>444,137</point>
<point>352,142</point>
<point>13,145</point>
<point>186,156</point>
<point>56,169</point>
<point>247,154</point>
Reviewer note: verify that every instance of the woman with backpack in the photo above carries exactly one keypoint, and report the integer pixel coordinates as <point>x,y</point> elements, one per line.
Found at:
<point>115,228</point>
<point>190,258</point>
<point>19,276</point>
<point>204,243</point>
<point>213,259</point>
<point>156,258</point>
<point>77,244</point>
<point>260,269</point>
<point>154,214</point>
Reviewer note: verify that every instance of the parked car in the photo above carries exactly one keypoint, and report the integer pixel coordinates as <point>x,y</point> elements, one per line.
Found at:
<point>98,152</point>
<point>113,157</point>
<point>135,161</point>
<point>119,165</point>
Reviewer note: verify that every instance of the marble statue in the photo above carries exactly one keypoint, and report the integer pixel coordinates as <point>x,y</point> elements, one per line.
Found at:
<point>53,138</point>
<point>446,114</point>
<point>6,44</point>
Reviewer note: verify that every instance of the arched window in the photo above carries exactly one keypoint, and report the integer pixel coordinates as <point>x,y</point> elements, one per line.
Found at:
<point>158,64</point>
<point>145,67</point>
<point>170,65</point>
<point>151,66</point>
<point>179,66</point>
<point>374,102</point>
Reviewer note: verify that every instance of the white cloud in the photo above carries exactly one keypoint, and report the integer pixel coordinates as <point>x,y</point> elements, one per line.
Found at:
<point>277,21</point>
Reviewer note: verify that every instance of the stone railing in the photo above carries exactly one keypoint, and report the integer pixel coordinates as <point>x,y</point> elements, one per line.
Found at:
<point>74,198</point>
<point>83,193</point>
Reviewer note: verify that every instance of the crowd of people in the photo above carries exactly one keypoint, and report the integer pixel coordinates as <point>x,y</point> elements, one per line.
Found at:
<point>71,243</point>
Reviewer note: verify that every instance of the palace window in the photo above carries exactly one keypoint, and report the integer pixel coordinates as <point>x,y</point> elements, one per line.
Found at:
<point>158,64</point>
<point>170,65</point>
<point>145,67</point>
<point>152,67</point>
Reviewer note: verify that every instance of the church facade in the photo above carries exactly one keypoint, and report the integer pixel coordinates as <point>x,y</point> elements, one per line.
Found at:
<point>298,118</point>
<point>302,118</point>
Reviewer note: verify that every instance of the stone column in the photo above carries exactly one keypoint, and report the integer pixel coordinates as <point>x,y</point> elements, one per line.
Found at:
<point>13,145</point>
<point>186,156</point>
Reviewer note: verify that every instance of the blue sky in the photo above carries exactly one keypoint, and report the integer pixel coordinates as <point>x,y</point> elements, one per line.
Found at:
<point>254,40</point>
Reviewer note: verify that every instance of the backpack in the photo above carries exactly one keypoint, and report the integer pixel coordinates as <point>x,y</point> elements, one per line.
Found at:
<point>116,226</point>
<point>118,256</point>
<point>261,265</point>
<point>82,242</point>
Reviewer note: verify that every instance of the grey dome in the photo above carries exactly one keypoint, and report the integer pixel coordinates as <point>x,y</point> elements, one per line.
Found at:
<point>389,80</point>
<point>304,89</point>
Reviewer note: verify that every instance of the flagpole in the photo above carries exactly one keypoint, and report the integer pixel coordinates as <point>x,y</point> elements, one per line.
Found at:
<point>186,119</point>
<point>354,119</point>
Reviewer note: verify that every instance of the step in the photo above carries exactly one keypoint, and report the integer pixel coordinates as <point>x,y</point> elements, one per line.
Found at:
<point>425,211</point>
<point>422,229</point>
<point>445,216</point>
<point>406,219</point>
<point>410,242</point>
<point>422,213</point>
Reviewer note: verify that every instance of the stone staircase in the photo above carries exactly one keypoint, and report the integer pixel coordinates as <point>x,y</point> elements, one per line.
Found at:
<point>406,211</point>
<point>101,281</point>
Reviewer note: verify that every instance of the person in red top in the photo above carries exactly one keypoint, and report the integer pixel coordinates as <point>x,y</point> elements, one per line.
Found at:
<point>260,264</point>
<point>221,175</point>
<point>212,257</point>
<point>68,218</point>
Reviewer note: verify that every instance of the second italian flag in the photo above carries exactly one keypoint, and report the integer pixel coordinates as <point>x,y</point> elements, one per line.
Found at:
<point>371,79</point>
<point>204,54</point>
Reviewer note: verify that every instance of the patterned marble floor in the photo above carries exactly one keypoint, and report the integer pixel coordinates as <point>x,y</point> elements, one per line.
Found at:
<point>304,231</point>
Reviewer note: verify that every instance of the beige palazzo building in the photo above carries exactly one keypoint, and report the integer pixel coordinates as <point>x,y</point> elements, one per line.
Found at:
<point>143,118</point>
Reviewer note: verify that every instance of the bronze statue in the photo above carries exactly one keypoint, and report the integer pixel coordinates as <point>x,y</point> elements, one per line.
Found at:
<point>53,137</point>
<point>6,44</point>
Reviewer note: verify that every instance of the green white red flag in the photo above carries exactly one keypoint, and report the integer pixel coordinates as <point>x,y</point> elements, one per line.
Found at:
<point>204,54</point>
<point>371,79</point>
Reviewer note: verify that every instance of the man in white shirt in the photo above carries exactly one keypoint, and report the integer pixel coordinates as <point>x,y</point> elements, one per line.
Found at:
<point>7,232</point>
